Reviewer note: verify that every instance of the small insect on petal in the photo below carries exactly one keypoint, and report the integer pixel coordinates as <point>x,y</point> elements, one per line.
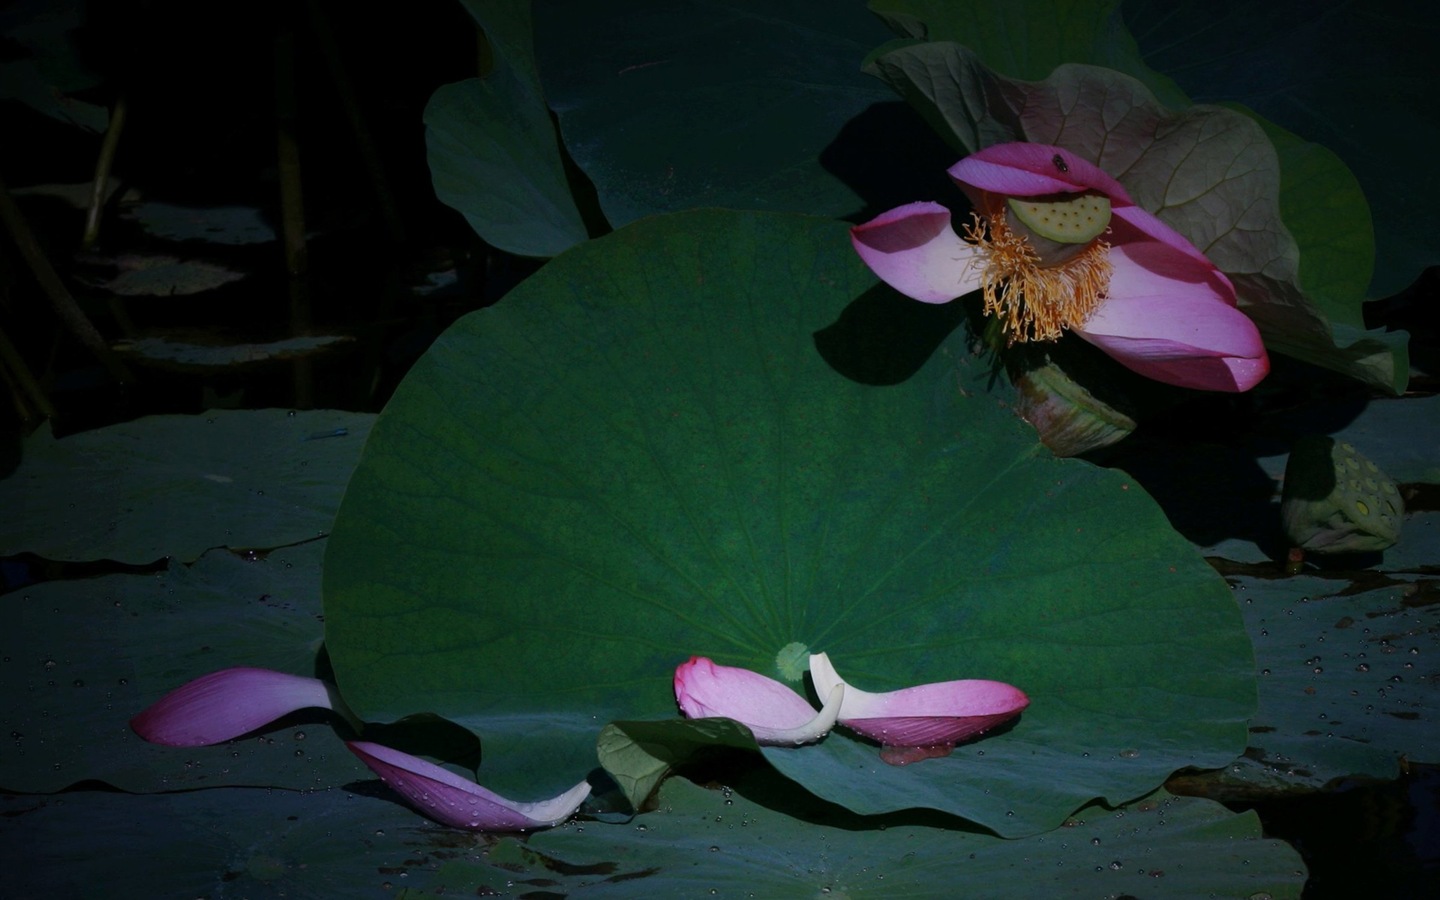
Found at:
<point>1059,162</point>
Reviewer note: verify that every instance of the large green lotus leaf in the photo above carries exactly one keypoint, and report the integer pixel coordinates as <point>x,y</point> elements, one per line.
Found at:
<point>492,148</point>
<point>698,843</point>
<point>641,455</point>
<point>1210,173</point>
<point>175,486</point>
<point>81,657</point>
<point>676,104</point>
<point>1358,78</point>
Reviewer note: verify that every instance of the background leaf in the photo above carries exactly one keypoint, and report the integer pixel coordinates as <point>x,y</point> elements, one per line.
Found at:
<point>492,148</point>
<point>176,486</point>
<point>1028,39</point>
<point>679,104</point>
<point>641,455</point>
<point>1357,78</point>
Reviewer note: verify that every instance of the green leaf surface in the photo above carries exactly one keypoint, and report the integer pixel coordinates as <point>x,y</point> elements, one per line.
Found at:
<point>1357,78</point>
<point>675,104</point>
<point>140,275</point>
<point>647,452</point>
<point>1028,39</point>
<point>175,486</point>
<point>1210,173</point>
<point>699,843</point>
<point>493,151</point>
<point>233,225</point>
<point>1347,677</point>
<point>189,356</point>
<point>81,657</point>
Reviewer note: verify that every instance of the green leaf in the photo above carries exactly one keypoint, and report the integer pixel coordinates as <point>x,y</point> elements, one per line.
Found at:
<point>700,843</point>
<point>679,104</point>
<point>175,486</point>
<point>1028,39</point>
<point>1210,173</point>
<point>493,151</point>
<point>1317,194</point>
<point>647,452</point>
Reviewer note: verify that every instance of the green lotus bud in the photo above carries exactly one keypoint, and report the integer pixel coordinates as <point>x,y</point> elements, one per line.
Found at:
<point>1074,220</point>
<point>1337,501</point>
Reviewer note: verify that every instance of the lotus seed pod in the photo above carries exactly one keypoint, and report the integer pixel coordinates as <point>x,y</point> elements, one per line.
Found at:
<point>1069,418</point>
<point>1337,501</point>
<point>1074,220</point>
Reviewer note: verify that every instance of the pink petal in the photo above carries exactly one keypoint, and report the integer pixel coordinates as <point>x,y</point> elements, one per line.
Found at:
<point>227,704</point>
<point>775,714</point>
<point>1027,170</point>
<point>451,800</point>
<point>928,715</point>
<point>1173,319</point>
<point>1133,224</point>
<point>914,250</point>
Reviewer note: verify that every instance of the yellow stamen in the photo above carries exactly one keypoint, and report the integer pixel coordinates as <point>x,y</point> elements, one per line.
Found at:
<point>1034,301</point>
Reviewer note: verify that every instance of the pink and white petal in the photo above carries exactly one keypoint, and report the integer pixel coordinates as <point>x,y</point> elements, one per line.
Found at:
<point>1023,169</point>
<point>773,712</point>
<point>914,249</point>
<point>227,704</point>
<point>1168,320</point>
<point>1132,225</point>
<point>927,731</point>
<point>451,800</point>
<point>928,714</point>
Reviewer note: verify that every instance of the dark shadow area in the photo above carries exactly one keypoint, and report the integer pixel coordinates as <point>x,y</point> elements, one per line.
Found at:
<point>422,734</point>
<point>884,338</point>
<point>1364,838</point>
<point>749,775</point>
<point>890,156</point>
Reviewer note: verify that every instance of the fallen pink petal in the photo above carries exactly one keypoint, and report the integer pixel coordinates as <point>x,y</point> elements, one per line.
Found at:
<point>1055,245</point>
<point>451,800</point>
<point>929,717</point>
<point>226,704</point>
<point>775,714</point>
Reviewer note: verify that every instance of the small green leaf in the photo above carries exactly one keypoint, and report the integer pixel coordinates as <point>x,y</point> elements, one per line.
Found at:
<point>493,151</point>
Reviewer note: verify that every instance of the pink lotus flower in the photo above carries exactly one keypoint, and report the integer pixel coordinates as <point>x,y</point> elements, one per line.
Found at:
<point>924,721</point>
<point>775,714</point>
<point>226,704</point>
<point>1056,244</point>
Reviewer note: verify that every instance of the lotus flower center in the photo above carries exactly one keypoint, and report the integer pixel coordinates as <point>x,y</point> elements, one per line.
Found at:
<point>1046,269</point>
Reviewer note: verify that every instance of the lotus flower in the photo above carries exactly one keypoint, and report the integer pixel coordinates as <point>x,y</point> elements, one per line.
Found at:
<point>1056,244</point>
<point>232,702</point>
<point>774,714</point>
<point>924,721</point>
